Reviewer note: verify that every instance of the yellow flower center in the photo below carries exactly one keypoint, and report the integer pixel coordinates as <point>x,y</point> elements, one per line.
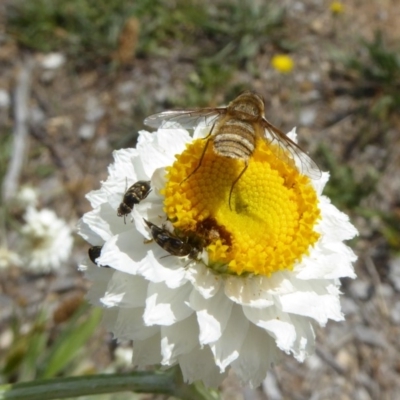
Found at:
<point>266,225</point>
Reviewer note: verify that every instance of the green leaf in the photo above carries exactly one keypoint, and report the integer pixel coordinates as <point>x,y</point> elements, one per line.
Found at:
<point>37,340</point>
<point>71,341</point>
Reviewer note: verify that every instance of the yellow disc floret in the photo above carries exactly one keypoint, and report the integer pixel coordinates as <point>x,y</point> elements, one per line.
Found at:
<point>266,225</point>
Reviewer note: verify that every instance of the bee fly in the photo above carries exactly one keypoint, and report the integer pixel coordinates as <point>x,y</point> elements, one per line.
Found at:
<point>134,195</point>
<point>94,253</point>
<point>173,244</point>
<point>235,132</point>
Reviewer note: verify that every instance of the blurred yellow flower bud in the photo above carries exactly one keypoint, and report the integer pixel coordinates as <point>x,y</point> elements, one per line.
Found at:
<point>282,63</point>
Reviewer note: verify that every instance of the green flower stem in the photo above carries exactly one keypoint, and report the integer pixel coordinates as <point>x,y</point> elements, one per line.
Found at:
<point>166,382</point>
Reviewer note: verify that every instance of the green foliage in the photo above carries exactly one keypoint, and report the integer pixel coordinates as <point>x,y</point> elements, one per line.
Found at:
<point>209,78</point>
<point>233,34</point>
<point>382,65</point>
<point>34,355</point>
<point>70,342</point>
<point>86,30</point>
<point>379,74</point>
<point>168,24</point>
<point>244,27</point>
<point>21,356</point>
<point>390,230</point>
<point>94,25</point>
<point>217,39</point>
<point>236,32</point>
<point>343,189</point>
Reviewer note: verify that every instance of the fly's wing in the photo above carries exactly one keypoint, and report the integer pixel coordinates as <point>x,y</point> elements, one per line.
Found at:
<point>188,119</point>
<point>289,151</point>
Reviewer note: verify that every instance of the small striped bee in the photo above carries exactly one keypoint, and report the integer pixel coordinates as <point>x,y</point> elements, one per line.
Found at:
<point>235,130</point>
<point>94,253</point>
<point>174,244</point>
<point>134,195</point>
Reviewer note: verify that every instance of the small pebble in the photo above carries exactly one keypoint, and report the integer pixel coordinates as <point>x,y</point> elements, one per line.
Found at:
<point>53,60</point>
<point>87,131</point>
<point>361,290</point>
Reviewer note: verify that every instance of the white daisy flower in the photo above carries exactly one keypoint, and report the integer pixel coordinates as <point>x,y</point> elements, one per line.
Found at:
<point>27,197</point>
<point>46,241</point>
<point>262,264</point>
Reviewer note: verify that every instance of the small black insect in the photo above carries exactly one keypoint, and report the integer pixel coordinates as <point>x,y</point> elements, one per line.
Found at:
<point>94,253</point>
<point>134,195</point>
<point>173,244</point>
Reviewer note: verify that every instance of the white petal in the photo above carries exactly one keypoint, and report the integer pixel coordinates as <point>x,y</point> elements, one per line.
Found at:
<point>103,221</point>
<point>278,324</point>
<point>109,319</point>
<point>253,291</point>
<point>199,365</point>
<point>327,261</point>
<point>319,184</point>
<point>292,134</point>
<point>114,191</point>
<point>96,198</point>
<point>87,233</point>
<point>212,314</point>
<point>99,277</point>
<point>125,291</point>
<point>166,306</point>
<point>129,325</point>
<point>124,252</point>
<point>123,165</point>
<point>150,210</point>
<point>201,131</point>
<point>158,179</point>
<point>147,352</point>
<point>157,150</point>
<point>204,280</point>
<point>304,345</point>
<point>313,300</point>
<point>227,348</point>
<point>158,268</point>
<point>138,219</point>
<point>334,225</point>
<point>256,356</point>
<point>96,274</point>
<point>178,339</point>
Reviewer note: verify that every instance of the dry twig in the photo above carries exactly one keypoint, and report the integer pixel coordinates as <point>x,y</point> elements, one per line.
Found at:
<point>21,99</point>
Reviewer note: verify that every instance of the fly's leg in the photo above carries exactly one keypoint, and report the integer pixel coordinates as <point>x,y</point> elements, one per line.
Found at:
<point>234,183</point>
<point>202,155</point>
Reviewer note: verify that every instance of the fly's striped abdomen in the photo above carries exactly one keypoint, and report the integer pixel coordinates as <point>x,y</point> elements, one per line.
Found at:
<point>235,139</point>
